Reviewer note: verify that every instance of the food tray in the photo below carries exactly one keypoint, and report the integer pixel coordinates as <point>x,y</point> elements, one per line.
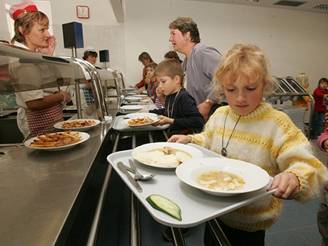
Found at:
<point>120,124</point>
<point>189,199</point>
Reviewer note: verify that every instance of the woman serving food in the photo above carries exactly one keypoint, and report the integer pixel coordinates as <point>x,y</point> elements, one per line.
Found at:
<point>38,110</point>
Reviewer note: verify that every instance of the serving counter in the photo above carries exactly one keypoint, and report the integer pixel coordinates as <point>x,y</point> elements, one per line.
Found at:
<point>38,188</point>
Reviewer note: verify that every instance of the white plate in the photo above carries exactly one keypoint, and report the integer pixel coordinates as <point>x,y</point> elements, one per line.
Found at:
<point>59,125</point>
<point>130,108</point>
<point>157,161</point>
<point>133,99</point>
<point>255,177</point>
<point>83,136</point>
<point>152,116</point>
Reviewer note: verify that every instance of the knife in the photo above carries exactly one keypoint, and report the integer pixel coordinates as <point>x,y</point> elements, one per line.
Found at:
<point>124,169</point>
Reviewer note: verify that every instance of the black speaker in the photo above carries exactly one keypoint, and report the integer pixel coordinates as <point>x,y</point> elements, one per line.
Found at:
<point>73,35</point>
<point>104,55</point>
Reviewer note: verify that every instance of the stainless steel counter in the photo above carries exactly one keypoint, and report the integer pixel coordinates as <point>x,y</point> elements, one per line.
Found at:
<point>38,189</point>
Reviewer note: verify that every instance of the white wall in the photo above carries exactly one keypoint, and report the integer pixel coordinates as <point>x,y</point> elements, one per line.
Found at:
<point>294,41</point>
<point>100,31</point>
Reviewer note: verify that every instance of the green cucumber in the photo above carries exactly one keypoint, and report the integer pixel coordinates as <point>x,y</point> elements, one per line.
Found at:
<point>165,205</point>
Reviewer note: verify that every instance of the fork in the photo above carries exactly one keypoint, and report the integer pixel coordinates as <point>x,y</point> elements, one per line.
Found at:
<point>137,174</point>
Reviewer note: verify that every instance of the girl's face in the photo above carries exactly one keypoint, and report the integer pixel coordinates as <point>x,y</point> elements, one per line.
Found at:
<point>150,72</point>
<point>169,85</point>
<point>38,36</point>
<point>244,96</point>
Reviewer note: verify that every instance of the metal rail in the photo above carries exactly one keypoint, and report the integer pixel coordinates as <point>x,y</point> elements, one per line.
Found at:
<point>218,234</point>
<point>95,222</point>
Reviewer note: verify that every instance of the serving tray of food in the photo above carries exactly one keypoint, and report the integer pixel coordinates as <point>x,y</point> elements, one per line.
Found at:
<point>187,197</point>
<point>137,122</point>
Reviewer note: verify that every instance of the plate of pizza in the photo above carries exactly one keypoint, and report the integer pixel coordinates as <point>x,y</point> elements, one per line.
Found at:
<point>57,140</point>
<point>141,119</point>
<point>77,124</point>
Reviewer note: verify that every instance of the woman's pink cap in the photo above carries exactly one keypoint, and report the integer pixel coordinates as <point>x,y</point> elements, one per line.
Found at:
<point>23,7</point>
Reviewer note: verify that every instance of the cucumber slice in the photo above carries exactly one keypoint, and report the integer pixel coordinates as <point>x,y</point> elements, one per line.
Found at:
<point>165,205</point>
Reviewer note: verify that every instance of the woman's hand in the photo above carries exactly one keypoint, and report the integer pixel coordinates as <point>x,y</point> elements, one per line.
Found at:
<point>66,96</point>
<point>51,47</point>
<point>287,185</point>
<point>180,139</point>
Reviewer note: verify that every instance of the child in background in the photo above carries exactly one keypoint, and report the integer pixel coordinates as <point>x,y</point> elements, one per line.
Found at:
<point>319,108</point>
<point>150,80</point>
<point>160,97</point>
<point>322,215</point>
<point>180,108</point>
<point>249,129</point>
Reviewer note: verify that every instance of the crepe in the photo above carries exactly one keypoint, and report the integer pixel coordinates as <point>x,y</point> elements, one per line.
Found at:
<point>163,157</point>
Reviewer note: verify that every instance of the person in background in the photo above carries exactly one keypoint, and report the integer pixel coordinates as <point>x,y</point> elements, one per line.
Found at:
<point>172,55</point>
<point>90,56</point>
<point>199,64</point>
<point>145,59</point>
<point>250,125</point>
<point>180,110</point>
<point>319,108</point>
<point>150,80</point>
<point>322,215</point>
<point>160,97</point>
<point>38,110</point>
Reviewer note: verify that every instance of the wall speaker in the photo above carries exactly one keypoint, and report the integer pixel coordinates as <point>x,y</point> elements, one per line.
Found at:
<point>73,35</point>
<point>104,55</point>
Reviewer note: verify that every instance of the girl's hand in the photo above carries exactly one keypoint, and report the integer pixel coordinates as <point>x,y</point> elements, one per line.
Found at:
<point>51,47</point>
<point>287,184</point>
<point>180,139</point>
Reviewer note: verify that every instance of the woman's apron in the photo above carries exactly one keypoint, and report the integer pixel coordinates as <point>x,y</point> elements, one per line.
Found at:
<point>42,121</point>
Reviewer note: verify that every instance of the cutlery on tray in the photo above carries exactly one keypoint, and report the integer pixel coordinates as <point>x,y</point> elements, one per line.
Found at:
<point>124,169</point>
<point>138,175</point>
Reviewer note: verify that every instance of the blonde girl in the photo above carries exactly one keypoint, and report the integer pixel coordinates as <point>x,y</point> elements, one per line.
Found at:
<point>249,129</point>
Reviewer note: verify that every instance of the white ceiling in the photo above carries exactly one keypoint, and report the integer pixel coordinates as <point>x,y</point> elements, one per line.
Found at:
<point>318,6</point>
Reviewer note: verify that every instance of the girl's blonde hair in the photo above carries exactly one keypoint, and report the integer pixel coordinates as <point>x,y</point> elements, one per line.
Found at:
<point>246,61</point>
<point>25,21</point>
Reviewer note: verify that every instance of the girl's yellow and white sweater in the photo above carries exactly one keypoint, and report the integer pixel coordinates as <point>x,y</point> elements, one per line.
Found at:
<point>268,138</point>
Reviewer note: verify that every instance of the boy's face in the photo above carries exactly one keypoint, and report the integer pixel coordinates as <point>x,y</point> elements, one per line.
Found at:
<point>92,59</point>
<point>243,96</point>
<point>169,85</point>
<point>323,85</point>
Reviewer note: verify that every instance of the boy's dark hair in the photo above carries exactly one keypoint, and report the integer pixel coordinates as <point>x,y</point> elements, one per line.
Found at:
<point>184,25</point>
<point>145,56</point>
<point>322,80</point>
<point>171,68</point>
<point>88,53</point>
<point>172,55</point>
